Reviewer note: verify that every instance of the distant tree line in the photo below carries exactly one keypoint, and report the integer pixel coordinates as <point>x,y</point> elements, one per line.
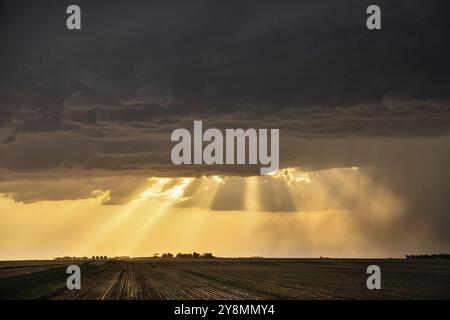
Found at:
<point>70,258</point>
<point>81,258</point>
<point>428,256</point>
<point>185,255</point>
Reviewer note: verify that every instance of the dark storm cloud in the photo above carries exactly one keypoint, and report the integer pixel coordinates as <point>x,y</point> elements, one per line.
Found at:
<point>53,188</point>
<point>108,96</point>
<point>207,54</point>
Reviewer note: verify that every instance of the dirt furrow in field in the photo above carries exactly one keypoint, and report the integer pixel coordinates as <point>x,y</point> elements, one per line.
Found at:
<point>134,280</point>
<point>158,285</point>
<point>107,289</point>
<point>92,288</point>
<point>260,287</point>
<point>148,287</point>
<point>134,283</point>
<point>190,286</point>
<point>83,293</point>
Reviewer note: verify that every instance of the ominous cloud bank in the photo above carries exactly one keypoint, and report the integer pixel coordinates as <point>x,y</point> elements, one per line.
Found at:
<point>108,96</point>
<point>103,100</point>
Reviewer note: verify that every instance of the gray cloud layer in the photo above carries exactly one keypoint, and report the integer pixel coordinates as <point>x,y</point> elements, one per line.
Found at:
<point>146,64</point>
<point>108,96</point>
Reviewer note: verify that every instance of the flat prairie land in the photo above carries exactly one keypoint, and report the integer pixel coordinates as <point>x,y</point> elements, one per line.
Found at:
<point>220,278</point>
<point>17,268</point>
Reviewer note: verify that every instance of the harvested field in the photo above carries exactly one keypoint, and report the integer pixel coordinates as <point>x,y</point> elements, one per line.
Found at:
<point>248,279</point>
<point>16,268</point>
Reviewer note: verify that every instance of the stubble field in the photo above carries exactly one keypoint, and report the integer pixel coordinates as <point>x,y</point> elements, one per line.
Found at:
<point>219,278</point>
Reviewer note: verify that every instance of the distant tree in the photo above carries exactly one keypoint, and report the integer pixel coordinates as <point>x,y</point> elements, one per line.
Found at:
<point>196,255</point>
<point>167,255</point>
<point>93,257</point>
<point>429,256</point>
<point>207,255</point>
<point>97,257</point>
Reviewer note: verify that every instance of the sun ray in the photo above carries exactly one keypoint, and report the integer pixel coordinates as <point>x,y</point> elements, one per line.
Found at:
<point>157,202</point>
<point>252,196</point>
<point>123,216</point>
<point>150,215</point>
<point>211,186</point>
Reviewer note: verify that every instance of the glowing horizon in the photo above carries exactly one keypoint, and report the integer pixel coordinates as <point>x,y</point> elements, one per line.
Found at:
<point>291,213</point>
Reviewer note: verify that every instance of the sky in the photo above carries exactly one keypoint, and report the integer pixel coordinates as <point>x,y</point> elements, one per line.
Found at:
<point>86,118</point>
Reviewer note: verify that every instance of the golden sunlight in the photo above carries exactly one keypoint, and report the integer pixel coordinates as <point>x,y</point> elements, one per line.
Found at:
<point>290,213</point>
